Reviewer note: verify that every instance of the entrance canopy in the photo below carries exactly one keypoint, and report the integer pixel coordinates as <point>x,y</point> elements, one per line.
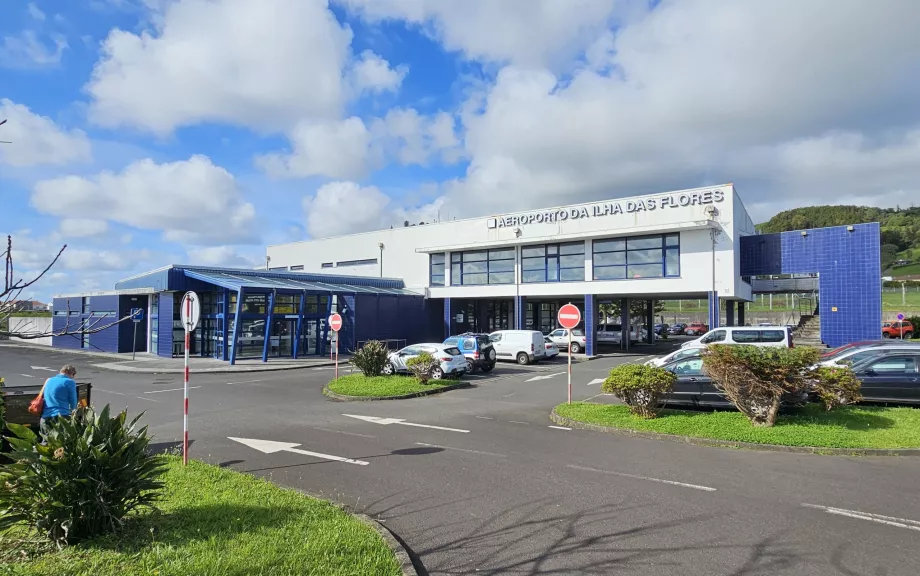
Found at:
<point>234,281</point>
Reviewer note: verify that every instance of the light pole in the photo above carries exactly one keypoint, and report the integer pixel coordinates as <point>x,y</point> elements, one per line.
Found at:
<point>381,246</point>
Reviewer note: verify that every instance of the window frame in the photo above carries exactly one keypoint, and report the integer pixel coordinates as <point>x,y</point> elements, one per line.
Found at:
<point>553,257</point>
<point>668,244</point>
<point>459,276</point>
<point>431,269</point>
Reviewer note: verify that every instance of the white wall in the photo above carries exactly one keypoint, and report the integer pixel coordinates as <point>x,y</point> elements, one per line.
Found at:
<point>405,253</point>
<point>31,325</point>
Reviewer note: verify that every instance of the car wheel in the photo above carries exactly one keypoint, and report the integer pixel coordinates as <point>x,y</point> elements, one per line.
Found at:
<point>885,335</point>
<point>470,367</point>
<point>492,355</point>
<point>575,348</point>
<point>437,373</point>
<point>488,367</point>
<point>522,359</point>
<point>908,335</point>
<point>389,369</point>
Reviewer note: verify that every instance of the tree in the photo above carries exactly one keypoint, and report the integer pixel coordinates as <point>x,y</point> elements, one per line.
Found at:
<point>13,288</point>
<point>636,310</point>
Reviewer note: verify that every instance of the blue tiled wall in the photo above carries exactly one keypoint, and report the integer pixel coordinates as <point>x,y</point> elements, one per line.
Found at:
<point>165,324</point>
<point>520,312</point>
<point>383,317</point>
<point>849,274</point>
<point>105,340</point>
<point>589,318</point>
<point>447,319</point>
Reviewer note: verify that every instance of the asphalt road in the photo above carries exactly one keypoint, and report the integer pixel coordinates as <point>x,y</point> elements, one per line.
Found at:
<point>479,481</point>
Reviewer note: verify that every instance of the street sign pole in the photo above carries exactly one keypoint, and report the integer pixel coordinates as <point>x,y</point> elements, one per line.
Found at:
<point>134,345</point>
<point>570,366</point>
<point>901,324</point>
<point>569,317</point>
<point>190,312</point>
<point>335,323</point>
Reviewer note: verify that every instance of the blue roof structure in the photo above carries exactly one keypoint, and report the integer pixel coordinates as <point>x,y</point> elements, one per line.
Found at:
<point>180,278</point>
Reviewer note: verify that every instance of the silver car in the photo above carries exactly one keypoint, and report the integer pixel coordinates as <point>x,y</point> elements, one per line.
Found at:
<point>452,363</point>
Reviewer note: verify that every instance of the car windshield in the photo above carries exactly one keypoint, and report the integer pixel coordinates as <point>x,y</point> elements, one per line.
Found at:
<point>547,340</point>
<point>452,350</point>
<point>578,332</point>
<point>451,341</point>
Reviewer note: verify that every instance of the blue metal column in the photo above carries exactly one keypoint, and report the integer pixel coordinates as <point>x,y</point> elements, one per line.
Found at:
<point>225,326</point>
<point>649,321</point>
<point>590,320</point>
<point>322,343</point>
<point>268,326</point>
<point>237,322</point>
<point>729,312</point>
<point>740,313</point>
<point>447,318</point>
<point>520,312</point>
<point>714,310</point>
<point>303,303</point>
<point>625,327</point>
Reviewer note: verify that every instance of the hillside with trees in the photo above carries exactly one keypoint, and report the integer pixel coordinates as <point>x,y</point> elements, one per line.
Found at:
<point>900,240</point>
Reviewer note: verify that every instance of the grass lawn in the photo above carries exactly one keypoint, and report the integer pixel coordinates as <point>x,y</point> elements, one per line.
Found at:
<point>361,385</point>
<point>849,427</point>
<point>218,522</point>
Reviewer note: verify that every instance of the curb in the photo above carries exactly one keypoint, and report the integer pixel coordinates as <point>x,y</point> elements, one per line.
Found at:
<point>345,398</point>
<point>402,555</point>
<point>711,442</point>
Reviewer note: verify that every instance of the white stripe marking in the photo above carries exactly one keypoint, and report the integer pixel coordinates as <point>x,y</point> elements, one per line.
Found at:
<point>244,382</point>
<point>171,390</point>
<point>516,422</point>
<point>485,418</point>
<point>637,477</point>
<point>560,428</point>
<point>569,316</point>
<point>888,520</point>
<point>27,375</point>
<point>460,449</point>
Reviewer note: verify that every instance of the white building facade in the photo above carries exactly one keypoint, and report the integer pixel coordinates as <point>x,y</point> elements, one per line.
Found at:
<point>514,270</point>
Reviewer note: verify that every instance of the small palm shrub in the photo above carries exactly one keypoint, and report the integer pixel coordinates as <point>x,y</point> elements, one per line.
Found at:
<point>93,470</point>
<point>836,386</point>
<point>2,409</point>
<point>422,365</point>
<point>371,358</point>
<point>640,387</point>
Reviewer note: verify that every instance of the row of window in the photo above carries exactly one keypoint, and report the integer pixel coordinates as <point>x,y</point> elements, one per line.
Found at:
<point>655,256</point>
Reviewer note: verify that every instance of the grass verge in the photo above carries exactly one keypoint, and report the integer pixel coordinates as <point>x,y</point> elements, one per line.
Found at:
<point>382,386</point>
<point>213,521</point>
<point>849,427</point>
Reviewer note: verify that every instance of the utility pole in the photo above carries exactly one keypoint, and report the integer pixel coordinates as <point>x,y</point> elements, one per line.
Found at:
<point>903,294</point>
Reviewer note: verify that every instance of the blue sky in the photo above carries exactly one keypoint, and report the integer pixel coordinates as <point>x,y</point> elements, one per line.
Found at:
<point>148,132</point>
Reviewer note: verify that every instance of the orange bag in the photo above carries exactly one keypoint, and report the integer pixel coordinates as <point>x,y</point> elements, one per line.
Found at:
<point>37,406</point>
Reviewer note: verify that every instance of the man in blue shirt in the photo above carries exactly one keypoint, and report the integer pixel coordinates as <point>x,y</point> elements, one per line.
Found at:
<point>60,396</point>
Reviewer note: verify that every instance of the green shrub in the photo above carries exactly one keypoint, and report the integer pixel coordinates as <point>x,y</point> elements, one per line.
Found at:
<point>757,378</point>
<point>92,472</point>
<point>422,365</point>
<point>371,358</point>
<point>915,322</point>
<point>836,386</point>
<point>2,409</point>
<point>640,387</point>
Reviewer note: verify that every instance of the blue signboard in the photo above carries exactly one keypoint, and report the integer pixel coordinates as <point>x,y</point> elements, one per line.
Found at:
<point>137,314</point>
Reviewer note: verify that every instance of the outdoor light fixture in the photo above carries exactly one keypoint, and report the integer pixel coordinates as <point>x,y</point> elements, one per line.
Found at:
<point>850,228</point>
<point>804,233</point>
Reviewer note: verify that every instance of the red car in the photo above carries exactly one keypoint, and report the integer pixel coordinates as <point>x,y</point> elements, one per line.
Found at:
<point>696,328</point>
<point>900,329</point>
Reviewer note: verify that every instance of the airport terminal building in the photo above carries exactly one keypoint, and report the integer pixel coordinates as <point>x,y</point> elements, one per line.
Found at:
<point>503,271</point>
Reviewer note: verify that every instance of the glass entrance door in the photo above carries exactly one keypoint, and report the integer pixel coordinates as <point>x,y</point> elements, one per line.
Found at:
<point>282,337</point>
<point>309,338</point>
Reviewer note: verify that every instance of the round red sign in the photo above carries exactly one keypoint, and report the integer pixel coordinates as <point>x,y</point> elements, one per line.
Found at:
<point>335,322</point>
<point>569,316</point>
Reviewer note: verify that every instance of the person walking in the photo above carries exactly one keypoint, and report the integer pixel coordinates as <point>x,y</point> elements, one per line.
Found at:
<point>60,395</point>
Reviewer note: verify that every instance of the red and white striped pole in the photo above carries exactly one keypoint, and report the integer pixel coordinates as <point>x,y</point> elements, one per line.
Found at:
<point>188,334</point>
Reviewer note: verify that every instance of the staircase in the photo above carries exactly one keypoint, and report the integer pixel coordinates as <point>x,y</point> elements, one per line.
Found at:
<point>808,332</point>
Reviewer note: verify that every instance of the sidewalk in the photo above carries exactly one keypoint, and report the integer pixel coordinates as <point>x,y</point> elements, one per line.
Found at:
<point>150,364</point>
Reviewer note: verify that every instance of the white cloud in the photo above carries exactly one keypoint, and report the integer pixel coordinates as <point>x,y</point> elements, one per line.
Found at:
<point>26,50</point>
<point>82,227</point>
<point>35,12</point>
<point>373,73</point>
<point>336,149</point>
<point>265,65</point>
<point>37,139</point>
<point>689,95</point>
<point>413,138</point>
<point>191,201</point>
<point>525,32</point>
<point>225,256</point>
<point>106,260</point>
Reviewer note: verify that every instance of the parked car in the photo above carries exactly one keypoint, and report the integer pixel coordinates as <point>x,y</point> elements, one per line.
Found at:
<point>551,349</point>
<point>560,337</point>
<point>613,333</point>
<point>696,328</point>
<point>901,329</point>
<point>452,363</point>
<point>522,346</point>
<point>892,376</point>
<point>753,335</point>
<point>855,354</point>
<point>677,329</point>
<point>678,354</point>
<point>659,328</point>
<point>478,350</point>
<point>693,386</point>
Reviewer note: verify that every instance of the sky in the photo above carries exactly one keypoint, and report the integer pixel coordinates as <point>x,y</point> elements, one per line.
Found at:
<point>153,132</point>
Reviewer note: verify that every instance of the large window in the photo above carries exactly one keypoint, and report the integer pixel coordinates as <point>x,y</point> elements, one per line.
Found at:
<point>637,257</point>
<point>479,267</point>
<point>436,269</point>
<point>553,263</point>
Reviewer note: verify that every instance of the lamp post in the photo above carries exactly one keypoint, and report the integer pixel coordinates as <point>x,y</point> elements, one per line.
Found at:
<point>381,246</point>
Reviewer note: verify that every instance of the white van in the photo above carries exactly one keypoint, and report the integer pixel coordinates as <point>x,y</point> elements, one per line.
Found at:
<point>751,335</point>
<point>522,346</point>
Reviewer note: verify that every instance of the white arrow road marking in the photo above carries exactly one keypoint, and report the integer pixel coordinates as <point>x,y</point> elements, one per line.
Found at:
<point>560,427</point>
<point>42,368</point>
<point>270,447</point>
<point>27,375</point>
<point>596,381</point>
<point>547,377</point>
<point>386,421</point>
<point>636,477</point>
<point>889,520</point>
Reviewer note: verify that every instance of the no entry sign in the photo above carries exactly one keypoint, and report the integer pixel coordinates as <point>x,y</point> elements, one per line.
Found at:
<point>569,316</point>
<point>335,322</point>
